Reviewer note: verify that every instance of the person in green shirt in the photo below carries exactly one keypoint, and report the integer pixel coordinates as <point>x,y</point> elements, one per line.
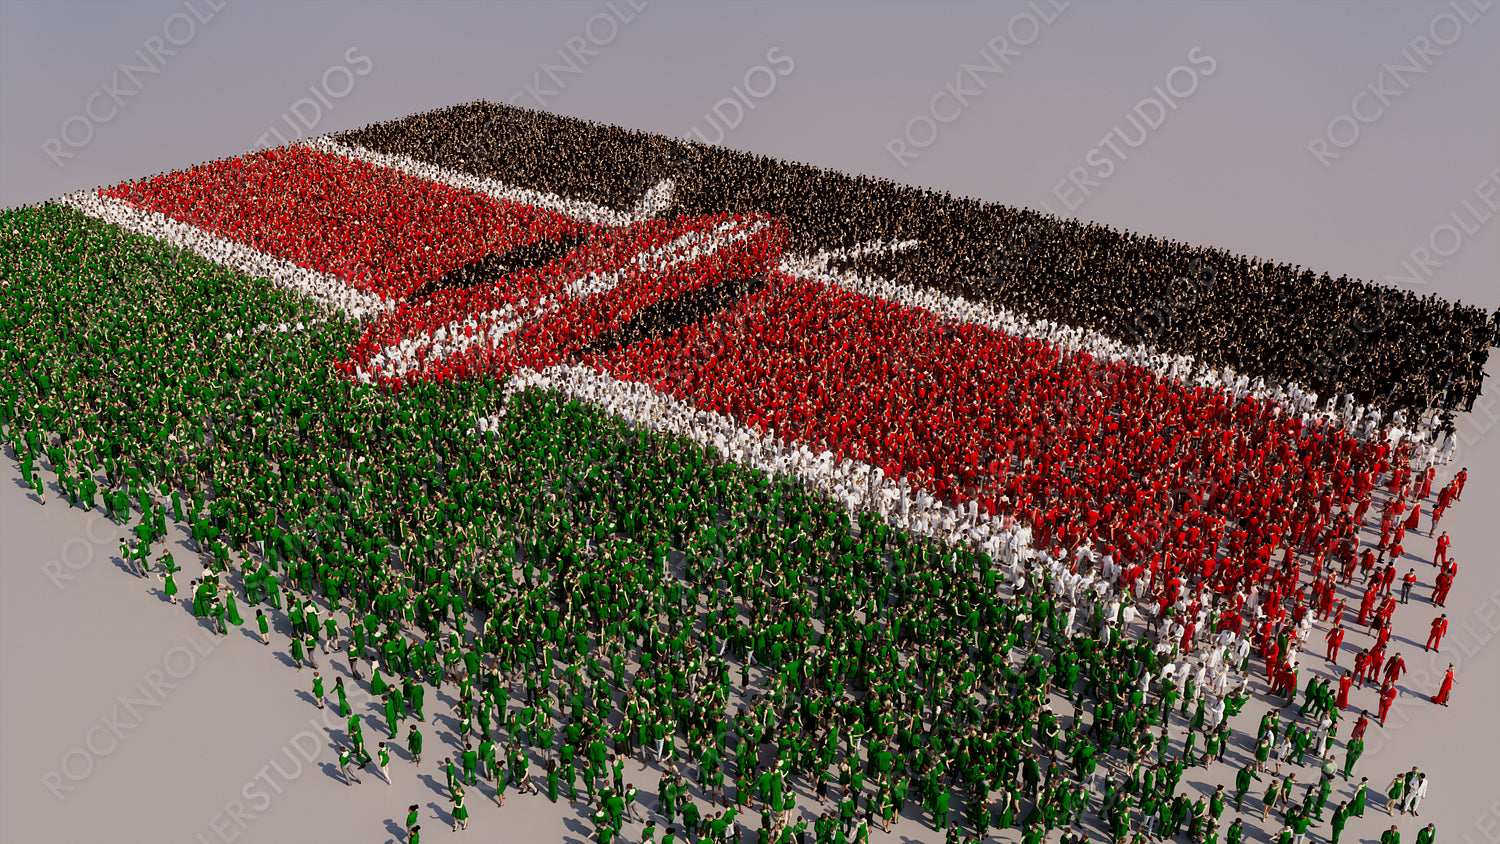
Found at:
<point>413,743</point>
<point>1427,834</point>
<point>1353,750</point>
<point>1299,821</point>
<point>1391,836</point>
<point>317,689</point>
<point>1242,782</point>
<point>1339,820</point>
<point>383,757</point>
<point>1236,832</point>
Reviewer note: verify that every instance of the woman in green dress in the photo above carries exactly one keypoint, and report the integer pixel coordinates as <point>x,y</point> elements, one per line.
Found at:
<point>552,780</point>
<point>1393,792</point>
<point>170,587</point>
<point>460,812</point>
<point>231,610</point>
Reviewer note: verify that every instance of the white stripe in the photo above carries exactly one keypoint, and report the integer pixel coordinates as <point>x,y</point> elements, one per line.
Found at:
<point>1181,369</point>
<point>321,287</point>
<point>858,485</point>
<point>655,200</point>
<point>682,249</point>
<point>396,360</point>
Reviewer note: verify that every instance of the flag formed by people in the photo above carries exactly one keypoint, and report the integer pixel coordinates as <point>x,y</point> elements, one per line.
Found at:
<point>425,354</point>
<point>949,416</point>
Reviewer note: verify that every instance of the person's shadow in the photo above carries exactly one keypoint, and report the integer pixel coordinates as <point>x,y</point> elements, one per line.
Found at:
<point>444,815</point>
<point>332,771</point>
<point>397,831</point>
<point>432,783</point>
<point>578,826</point>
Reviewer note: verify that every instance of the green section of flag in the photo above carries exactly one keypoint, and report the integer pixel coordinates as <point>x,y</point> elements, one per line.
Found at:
<point>560,524</point>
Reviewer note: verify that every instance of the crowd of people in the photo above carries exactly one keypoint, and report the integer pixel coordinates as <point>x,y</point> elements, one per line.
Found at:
<point>1388,348</point>
<point>583,587</point>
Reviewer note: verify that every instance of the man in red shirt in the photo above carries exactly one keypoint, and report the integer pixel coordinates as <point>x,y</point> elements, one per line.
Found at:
<point>1394,668</point>
<point>1335,641</point>
<point>1373,664</point>
<point>1361,663</point>
<point>1387,697</point>
<point>1444,583</point>
<point>1439,627</point>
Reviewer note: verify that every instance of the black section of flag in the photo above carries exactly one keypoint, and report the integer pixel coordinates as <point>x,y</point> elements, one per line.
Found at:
<point>493,267</point>
<point>1388,347</point>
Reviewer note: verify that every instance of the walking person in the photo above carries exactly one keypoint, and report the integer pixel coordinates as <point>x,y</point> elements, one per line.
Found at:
<point>346,765</point>
<point>1446,688</point>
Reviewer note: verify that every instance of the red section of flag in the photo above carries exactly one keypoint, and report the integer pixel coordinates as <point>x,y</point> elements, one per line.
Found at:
<point>378,229</point>
<point>1080,447</point>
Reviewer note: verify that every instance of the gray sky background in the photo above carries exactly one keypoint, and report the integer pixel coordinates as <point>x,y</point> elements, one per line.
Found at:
<point>1230,165</point>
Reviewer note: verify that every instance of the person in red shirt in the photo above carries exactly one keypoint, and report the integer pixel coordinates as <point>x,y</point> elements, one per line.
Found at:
<point>1444,583</point>
<point>1383,637</point>
<point>1387,577</point>
<point>1338,613</point>
<point>1441,556</point>
<point>1344,683</point>
<point>1387,609</point>
<point>1442,695</point>
<point>1373,664</point>
<point>1360,726</point>
<point>1361,664</point>
<point>1335,641</point>
<point>1412,523</point>
<point>1387,697</point>
<point>1366,606</point>
<point>1435,638</point>
<point>1407,583</point>
<point>1394,668</point>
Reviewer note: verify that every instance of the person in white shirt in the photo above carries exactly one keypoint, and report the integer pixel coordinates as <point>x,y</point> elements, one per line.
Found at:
<point>1415,795</point>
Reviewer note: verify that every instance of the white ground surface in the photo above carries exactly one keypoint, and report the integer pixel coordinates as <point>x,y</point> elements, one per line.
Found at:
<point>123,719</point>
